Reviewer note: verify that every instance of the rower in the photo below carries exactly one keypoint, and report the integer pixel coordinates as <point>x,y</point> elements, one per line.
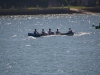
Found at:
<point>35,32</point>
<point>43,32</point>
<point>70,31</point>
<point>50,32</point>
<point>57,32</point>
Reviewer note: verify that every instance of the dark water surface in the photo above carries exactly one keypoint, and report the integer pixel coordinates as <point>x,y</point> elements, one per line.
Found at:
<point>50,55</point>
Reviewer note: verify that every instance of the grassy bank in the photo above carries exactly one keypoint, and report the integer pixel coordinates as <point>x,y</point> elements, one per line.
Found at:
<point>80,7</point>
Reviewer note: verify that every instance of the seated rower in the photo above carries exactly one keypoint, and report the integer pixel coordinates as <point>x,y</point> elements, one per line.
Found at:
<point>70,31</point>
<point>43,32</point>
<point>50,32</point>
<point>35,32</point>
<point>57,32</point>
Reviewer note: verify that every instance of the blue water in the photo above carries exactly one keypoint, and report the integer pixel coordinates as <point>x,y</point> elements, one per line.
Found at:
<point>50,55</point>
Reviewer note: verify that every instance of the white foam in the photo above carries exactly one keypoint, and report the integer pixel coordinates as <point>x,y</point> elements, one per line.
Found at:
<point>14,36</point>
<point>29,17</point>
<point>82,33</point>
<point>50,35</point>
<point>31,37</point>
<point>27,45</point>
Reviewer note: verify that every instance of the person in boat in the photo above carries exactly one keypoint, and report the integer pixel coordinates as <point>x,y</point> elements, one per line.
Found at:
<point>50,32</point>
<point>57,32</point>
<point>43,32</point>
<point>35,32</point>
<point>70,31</point>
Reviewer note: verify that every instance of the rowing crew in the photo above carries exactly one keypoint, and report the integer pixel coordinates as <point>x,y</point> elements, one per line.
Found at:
<point>50,32</point>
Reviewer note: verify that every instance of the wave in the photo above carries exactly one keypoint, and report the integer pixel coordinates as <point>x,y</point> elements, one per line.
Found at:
<point>27,45</point>
<point>82,33</point>
<point>14,36</point>
<point>51,35</point>
<point>31,37</point>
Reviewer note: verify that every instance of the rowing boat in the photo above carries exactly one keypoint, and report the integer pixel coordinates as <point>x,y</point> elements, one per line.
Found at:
<point>39,35</point>
<point>97,27</point>
<point>68,34</point>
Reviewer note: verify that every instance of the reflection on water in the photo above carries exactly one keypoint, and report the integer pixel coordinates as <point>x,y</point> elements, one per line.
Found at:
<point>21,54</point>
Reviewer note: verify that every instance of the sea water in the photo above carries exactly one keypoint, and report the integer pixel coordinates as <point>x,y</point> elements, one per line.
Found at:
<point>21,54</point>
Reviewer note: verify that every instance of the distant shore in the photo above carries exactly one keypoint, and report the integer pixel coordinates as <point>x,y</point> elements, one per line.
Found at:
<point>37,12</point>
<point>48,11</point>
<point>33,12</point>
